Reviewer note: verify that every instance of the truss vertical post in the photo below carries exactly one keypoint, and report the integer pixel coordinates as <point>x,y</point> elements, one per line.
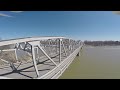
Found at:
<point>49,46</point>
<point>16,46</point>
<point>34,61</point>
<point>25,46</point>
<point>70,43</point>
<point>56,46</point>
<point>16,54</point>
<point>37,52</point>
<point>60,40</point>
<point>37,55</point>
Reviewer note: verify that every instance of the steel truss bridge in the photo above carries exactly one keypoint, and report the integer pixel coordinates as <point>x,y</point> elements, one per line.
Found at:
<point>37,57</point>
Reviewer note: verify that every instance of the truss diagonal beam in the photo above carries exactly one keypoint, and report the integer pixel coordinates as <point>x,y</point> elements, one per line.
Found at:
<point>46,54</point>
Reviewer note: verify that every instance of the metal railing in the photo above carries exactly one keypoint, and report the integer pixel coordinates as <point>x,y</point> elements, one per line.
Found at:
<point>36,48</point>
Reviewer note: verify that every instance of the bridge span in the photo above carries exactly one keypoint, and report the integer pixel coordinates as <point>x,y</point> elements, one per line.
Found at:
<point>37,57</point>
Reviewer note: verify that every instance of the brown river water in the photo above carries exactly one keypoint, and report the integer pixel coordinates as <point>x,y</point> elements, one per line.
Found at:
<point>95,63</point>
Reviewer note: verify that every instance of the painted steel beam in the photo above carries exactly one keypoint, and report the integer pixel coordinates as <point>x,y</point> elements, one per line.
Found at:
<point>13,41</point>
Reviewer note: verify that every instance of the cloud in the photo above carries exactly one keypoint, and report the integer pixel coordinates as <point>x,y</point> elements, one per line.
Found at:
<point>16,11</point>
<point>4,15</point>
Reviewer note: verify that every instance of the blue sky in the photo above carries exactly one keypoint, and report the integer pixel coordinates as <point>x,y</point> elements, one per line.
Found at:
<point>84,25</point>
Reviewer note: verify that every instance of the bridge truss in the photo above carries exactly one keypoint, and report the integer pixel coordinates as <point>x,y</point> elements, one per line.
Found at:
<point>37,57</point>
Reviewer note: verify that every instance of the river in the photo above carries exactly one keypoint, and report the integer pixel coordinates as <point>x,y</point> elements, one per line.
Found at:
<point>95,63</point>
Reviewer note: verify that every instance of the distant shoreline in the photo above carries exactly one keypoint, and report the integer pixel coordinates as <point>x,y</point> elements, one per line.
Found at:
<point>103,46</point>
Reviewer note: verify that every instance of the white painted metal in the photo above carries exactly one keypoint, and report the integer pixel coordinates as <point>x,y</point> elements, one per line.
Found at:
<point>7,50</point>
<point>65,63</point>
<point>16,55</point>
<point>49,47</point>
<point>60,40</point>
<point>4,61</point>
<point>46,54</point>
<point>56,46</point>
<point>37,53</point>
<point>64,48</point>
<point>34,61</point>
<point>36,43</point>
<point>1,77</point>
<point>7,42</point>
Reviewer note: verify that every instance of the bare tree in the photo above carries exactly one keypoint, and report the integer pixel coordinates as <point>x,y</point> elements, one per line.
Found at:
<point>102,43</point>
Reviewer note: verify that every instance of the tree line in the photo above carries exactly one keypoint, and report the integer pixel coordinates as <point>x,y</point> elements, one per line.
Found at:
<point>102,43</point>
